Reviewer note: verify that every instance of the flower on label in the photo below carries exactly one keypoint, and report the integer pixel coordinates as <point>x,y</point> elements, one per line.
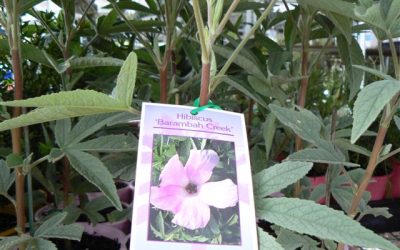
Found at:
<point>187,193</point>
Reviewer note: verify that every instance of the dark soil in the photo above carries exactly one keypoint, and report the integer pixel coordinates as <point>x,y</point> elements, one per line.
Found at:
<point>88,242</point>
<point>7,221</point>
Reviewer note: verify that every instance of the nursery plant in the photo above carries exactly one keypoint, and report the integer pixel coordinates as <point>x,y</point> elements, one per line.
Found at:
<point>193,49</point>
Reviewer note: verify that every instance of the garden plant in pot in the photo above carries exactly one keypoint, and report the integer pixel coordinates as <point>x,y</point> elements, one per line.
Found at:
<point>269,79</point>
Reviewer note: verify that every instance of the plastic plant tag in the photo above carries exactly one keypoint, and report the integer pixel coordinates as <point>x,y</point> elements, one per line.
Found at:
<point>193,186</point>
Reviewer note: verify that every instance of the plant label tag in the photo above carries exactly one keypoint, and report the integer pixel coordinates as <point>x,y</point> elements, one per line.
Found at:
<point>193,186</point>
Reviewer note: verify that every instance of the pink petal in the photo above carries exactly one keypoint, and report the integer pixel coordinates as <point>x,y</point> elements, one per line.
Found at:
<point>173,173</point>
<point>200,165</point>
<point>193,214</point>
<point>220,194</point>
<point>168,198</point>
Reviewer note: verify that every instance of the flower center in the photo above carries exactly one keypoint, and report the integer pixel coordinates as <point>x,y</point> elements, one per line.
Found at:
<point>191,188</point>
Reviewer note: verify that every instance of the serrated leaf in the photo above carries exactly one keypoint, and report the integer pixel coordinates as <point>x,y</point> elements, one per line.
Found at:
<point>126,80</point>
<point>87,126</point>
<point>7,178</point>
<point>95,172</point>
<point>94,61</point>
<point>279,176</point>
<point>370,102</point>
<point>121,166</point>
<point>41,244</point>
<point>69,232</point>
<point>80,98</point>
<point>303,122</point>
<point>108,143</point>
<point>305,216</point>
<point>47,114</point>
<point>9,243</point>
<point>322,156</point>
<point>50,223</point>
<point>267,242</point>
<point>374,72</point>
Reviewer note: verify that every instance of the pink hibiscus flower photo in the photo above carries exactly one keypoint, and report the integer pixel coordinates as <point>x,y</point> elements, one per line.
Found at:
<point>197,199</point>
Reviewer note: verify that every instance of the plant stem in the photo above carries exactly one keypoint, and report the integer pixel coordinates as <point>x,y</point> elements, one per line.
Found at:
<point>205,81</point>
<point>217,79</point>
<point>394,57</point>
<point>205,53</point>
<point>29,180</point>
<point>16,134</point>
<point>164,76</point>
<point>376,150</point>
<point>369,171</point>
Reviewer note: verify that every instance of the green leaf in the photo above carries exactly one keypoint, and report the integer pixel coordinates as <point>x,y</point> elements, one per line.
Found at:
<point>41,244</point>
<point>126,80</point>
<point>322,156</point>
<point>343,24</point>
<point>87,126</point>
<point>53,228</point>
<point>128,5</point>
<point>279,176</point>
<point>7,178</point>
<point>95,172</point>
<point>25,5</point>
<point>336,6</point>
<point>94,61</point>
<point>307,217</point>
<point>351,54</point>
<point>62,130</point>
<point>250,66</point>
<point>108,143</point>
<point>269,129</point>
<point>371,14</point>
<point>140,25</point>
<point>9,243</point>
<point>370,101</point>
<point>74,99</point>
<point>41,115</point>
<point>245,90</point>
<point>63,105</point>
<point>374,72</point>
<point>303,122</point>
<point>267,242</point>
<point>293,241</point>
<point>347,146</point>
<point>266,88</point>
<point>121,166</point>
<point>105,23</point>
<point>14,160</point>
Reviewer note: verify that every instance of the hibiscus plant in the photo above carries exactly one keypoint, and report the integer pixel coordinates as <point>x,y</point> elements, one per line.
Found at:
<point>176,51</point>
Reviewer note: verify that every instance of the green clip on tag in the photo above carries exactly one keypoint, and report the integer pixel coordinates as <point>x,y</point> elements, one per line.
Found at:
<point>197,110</point>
